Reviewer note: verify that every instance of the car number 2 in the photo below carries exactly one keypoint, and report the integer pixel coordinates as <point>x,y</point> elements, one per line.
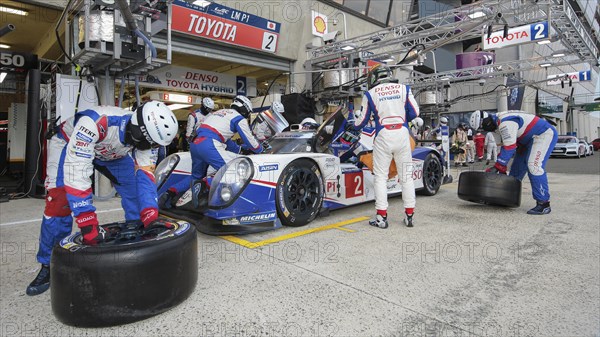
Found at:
<point>354,184</point>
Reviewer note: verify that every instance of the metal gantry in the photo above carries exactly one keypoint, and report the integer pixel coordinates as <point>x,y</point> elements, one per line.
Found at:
<point>463,23</point>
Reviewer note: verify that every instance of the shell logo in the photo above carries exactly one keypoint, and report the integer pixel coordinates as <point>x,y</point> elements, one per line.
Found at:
<point>320,24</point>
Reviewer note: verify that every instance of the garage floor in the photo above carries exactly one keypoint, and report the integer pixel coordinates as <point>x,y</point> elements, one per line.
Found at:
<point>464,270</point>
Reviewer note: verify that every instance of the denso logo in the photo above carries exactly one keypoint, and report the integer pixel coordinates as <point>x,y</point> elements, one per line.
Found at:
<point>258,217</point>
<point>81,203</point>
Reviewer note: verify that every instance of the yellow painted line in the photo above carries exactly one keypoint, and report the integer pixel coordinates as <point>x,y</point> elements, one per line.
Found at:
<point>337,225</point>
<point>346,229</point>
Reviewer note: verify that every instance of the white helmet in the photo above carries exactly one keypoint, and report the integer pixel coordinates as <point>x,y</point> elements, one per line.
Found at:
<point>443,120</point>
<point>242,105</point>
<point>154,123</point>
<point>476,118</point>
<point>277,107</point>
<point>208,103</point>
<point>417,122</point>
<point>309,124</point>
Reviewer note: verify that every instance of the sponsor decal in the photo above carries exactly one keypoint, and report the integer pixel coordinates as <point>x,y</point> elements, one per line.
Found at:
<point>82,137</point>
<point>268,167</point>
<point>257,218</point>
<point>86,131</point>
<point>83,155</point>
<point>81,203</point>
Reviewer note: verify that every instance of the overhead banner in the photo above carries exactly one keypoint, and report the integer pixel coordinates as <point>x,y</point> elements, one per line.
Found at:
<point>225,24</point>
<point>580,76</point>
<point>207,82</point>
<point>517,35</point>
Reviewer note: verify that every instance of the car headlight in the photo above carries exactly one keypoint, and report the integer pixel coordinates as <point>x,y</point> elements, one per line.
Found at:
<point>229,182</point>
<point>164,169</point>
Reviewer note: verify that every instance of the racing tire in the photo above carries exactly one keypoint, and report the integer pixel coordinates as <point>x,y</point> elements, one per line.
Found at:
<point>433,173</point>
<point>299,193</point>
<point>132,275</point>
<point>489,188</point>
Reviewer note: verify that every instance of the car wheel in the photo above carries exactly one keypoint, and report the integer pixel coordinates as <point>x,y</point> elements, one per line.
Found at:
<point>299,193</point>
<point>489,188</point>
<point>134,274</point>
<point>432,175</point>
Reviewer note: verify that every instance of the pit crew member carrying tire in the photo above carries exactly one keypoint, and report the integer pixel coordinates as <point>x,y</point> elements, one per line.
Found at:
<point>213,145</point>
<point>198,116</point>
<point>530,140</point>
<point>392,106</point>
<point>120,144</point>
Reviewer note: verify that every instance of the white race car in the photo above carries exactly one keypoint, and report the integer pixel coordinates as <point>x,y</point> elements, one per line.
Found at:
<point>305,173</point>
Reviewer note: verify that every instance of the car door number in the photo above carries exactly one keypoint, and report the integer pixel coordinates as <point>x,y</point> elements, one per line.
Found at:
<point>354,184</point>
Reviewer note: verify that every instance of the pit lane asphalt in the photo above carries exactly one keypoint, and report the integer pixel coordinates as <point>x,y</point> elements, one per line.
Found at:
<point>463,270</point>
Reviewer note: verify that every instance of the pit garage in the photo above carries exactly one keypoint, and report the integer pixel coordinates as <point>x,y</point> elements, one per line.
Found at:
<point>278,243</point>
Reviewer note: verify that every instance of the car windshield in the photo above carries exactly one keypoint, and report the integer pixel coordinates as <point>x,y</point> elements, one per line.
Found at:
<point>566,140</point>
<point>292,143</point>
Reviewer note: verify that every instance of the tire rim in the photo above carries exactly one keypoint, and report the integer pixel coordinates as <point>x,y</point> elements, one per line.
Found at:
<point>433,174</point>
<point>302,191</point>
<point>131,232</point>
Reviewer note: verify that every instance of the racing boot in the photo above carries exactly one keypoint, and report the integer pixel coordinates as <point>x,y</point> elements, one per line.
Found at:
<point>41,282</point>
<point>379,221</point>
<point>408,220</point>
<point>542,207</point>
<point>93,235</point>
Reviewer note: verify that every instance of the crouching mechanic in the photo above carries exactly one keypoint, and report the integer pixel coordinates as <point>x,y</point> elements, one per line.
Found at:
<point>117,143</point>
<point>392,106</point>
<point>530,140</point>
<point>196,117</point>
<point>213,145</point>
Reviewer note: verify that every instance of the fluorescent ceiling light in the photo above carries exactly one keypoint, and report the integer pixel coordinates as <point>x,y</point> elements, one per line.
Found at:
<point>14,11</point>
<point>544,42</point>
<point>2,76</point>
<point>178,106</point>
<point>445,78</point>
<point>558,55</point>
<point>476,15</point>
<point>348,47</point>
<point>201,3</point>
<point>4,46</point>
<point>388,59</point>
<point>545,65</point>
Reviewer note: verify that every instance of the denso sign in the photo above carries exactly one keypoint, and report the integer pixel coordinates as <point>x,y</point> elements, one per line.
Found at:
<point>517,35</point>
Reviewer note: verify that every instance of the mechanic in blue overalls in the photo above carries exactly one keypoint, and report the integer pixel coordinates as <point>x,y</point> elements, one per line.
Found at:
<point>392,106</point>
<point>213,145</point>
<point>530,139</point>
<point>120,144</point>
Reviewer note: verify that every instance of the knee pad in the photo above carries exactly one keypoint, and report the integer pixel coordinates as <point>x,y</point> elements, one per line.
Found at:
<point>57,204</point>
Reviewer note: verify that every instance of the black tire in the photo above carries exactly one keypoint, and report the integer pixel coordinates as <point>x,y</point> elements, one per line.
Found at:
<point>134,275</point>
<point>489,188</point>
<point>299,194</point>
<point>433,173</point>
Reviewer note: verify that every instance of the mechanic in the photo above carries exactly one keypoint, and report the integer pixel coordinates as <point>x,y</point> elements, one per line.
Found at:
<point>262,130</point>
<point>196,117</point>
<point>479,140</point>
<point>459,141</point>
<point>392,106</point>
<point>214,147</point>
<point>308,124</point>
<point>532,139</point>
<point>120,144</point>
<point>491,148</point>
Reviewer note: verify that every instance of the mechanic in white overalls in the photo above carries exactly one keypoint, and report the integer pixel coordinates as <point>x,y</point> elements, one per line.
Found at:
<point>392,106</point>
<point>198,116</point>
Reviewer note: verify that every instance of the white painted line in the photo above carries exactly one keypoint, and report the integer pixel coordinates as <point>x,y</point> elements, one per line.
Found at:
<point>38,220</point>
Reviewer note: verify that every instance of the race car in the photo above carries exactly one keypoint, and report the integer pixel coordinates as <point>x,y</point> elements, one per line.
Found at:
<point>304,174</point>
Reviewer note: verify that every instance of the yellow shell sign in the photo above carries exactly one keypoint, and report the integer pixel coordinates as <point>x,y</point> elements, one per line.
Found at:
<point>320,24</point>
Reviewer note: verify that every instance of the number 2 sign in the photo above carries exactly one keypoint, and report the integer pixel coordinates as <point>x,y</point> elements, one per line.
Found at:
<point>354,184</point>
